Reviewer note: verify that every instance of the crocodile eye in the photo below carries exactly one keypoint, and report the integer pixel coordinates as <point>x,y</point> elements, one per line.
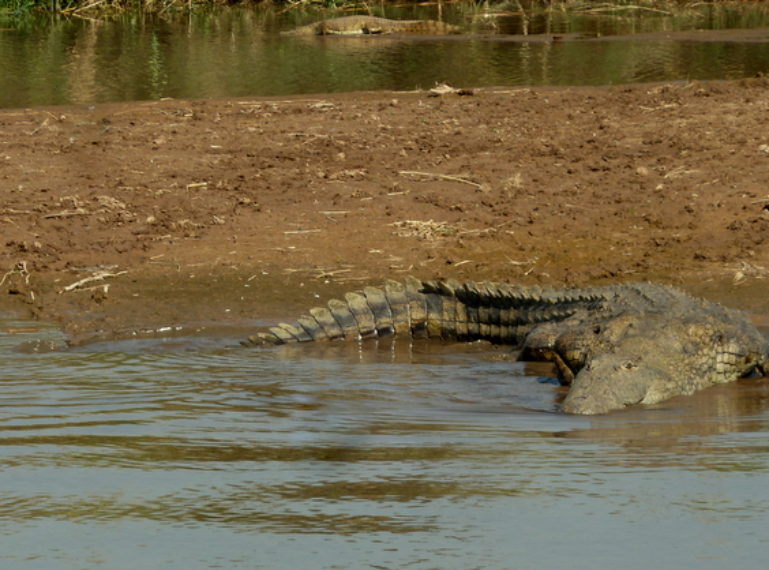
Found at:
<point>629,365</point>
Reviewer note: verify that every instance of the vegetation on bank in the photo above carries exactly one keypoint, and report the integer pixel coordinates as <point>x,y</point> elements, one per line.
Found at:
<point>107,7</point>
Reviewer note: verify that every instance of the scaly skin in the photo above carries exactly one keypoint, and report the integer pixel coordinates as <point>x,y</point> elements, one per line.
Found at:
<point>614,346</point>
<point>364,25</point>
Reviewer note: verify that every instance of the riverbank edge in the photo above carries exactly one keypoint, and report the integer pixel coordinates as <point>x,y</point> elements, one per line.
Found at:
<point>257,208</point>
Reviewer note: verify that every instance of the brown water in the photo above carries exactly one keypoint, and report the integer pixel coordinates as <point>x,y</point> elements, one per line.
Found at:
<point>241,52</point>
<point>191,452</point>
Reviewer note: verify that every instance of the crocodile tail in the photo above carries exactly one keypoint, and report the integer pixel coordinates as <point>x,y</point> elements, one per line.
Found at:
<point>412,308</point>
<point>313,29</point>
<point>449,310</point>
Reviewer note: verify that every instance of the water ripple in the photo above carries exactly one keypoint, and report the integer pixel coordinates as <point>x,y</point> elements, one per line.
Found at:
<point>418,443</point>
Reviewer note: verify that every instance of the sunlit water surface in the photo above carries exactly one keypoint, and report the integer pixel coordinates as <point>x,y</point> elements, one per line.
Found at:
<point>189,452</point>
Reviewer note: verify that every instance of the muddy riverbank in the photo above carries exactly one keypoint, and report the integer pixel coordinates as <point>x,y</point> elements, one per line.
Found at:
<point>147,214</point>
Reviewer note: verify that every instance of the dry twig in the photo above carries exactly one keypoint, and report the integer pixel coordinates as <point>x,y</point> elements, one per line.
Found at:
<point>21,269</point>
<point>440,176</point>
<point>67,213</point>
<point>96,277</point>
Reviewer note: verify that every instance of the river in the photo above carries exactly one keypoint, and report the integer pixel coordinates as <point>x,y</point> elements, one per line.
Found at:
<point>236,53</point>
<point>184,452</point>
<point>187,451</point>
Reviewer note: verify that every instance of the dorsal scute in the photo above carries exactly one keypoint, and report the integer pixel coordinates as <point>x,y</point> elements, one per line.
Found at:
<point>344,317</point>
<point>360,309</point>
<point>395,293</point>
<point>380,308</point>
<point>417,307</point>
<point>281,335</point>
<point>326,320</point>
<point>311,326</point>
<point>296,331</point>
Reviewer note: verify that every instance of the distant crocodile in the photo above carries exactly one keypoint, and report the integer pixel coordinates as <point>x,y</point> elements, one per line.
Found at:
<point>364,24</point>
<point>615,346</point>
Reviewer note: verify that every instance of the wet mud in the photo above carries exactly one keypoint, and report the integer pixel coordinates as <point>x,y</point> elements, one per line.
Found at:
<point>140,215</point>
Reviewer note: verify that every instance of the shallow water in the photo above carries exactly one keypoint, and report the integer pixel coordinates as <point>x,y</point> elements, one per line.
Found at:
<point>242,53</point>
<point>191,452</point>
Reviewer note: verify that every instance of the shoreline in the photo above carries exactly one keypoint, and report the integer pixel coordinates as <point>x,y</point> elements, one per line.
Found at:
<point>243,209</point>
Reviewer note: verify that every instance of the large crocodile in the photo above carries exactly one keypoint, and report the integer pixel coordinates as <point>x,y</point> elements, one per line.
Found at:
<point>615,346</point>
<point>364,24</point>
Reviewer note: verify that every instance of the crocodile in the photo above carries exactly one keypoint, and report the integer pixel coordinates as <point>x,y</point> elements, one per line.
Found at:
<point>613,346</point>
<point>364,25</point>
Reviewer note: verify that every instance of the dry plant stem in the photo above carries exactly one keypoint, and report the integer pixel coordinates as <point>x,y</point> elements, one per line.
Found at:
<point>67,214</point>
<point>440,176</point>
<point>97,277</point>
<point>86,7</point>
<point>21,269</point>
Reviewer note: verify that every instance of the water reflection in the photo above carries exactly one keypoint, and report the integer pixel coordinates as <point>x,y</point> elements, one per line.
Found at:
<point>687,425</point>
<point>450,455</point>
<point>241,53</point>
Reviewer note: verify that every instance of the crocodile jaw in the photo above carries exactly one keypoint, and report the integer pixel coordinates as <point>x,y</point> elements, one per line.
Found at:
<point>613,383</point>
